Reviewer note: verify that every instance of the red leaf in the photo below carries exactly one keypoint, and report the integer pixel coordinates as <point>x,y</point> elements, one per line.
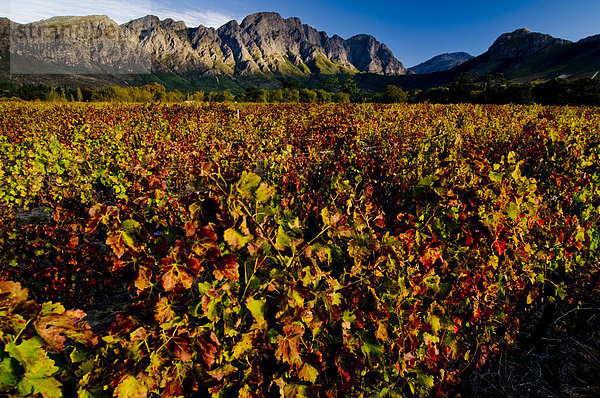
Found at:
<point>190,229</point>
<point>500,246</point>
<point>176,277</point>
<point>227,267</point>
<point>208,349</point>
<point>73,241</point>
<point>182,349</point>
<point>162,311</point>
<point>288,346</point>
<point>194,265</point>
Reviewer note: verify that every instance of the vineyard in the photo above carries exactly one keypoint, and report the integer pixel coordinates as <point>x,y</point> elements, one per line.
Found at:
<point>245,250</point>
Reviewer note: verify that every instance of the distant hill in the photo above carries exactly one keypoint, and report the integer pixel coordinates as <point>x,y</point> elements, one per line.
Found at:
<point>441,62</point>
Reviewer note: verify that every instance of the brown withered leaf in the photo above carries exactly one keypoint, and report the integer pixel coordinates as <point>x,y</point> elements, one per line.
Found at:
<point>138,334</point>
<point>288,346</point>
<point>56,328</point>
<point>11,294</point>
<point>223,371</point>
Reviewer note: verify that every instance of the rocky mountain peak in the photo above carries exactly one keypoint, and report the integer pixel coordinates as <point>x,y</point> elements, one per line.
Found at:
<point>262,18</point>
<point>522,43</point>
<point>174,25</point>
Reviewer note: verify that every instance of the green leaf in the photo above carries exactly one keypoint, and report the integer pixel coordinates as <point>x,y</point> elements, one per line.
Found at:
<point>283,240</point>
<point>263,193</point>
<point>336,298</point>
<point>51,308</point>
<point>371,349</point>
<point>257,309</point>
<point>348,316</point>
<point>32,356</point>
<point>425,380</point>
<point>561,291</point>
<point>235,239</point>
<point>7,373</point>
<point>248,184</point>
<point>308,373</point>
<point>427,182</point>
<point>49,387</point>
<point>77,355</point>
<point>325,216</point>
<point>130,225</point>
<point>513,210</point>
<point>242,347</point>
<point>435,323</point>
<point>129,240</point>
<point>496,177</point>
<point>433,282</point>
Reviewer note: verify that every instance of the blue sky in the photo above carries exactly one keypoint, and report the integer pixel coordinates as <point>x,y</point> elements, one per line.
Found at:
<point>414,30</point>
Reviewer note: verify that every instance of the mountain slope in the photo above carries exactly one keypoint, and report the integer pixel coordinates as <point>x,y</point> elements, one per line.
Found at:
<point>441,62</point>
<point>523,55</point>
<point>519,56</point>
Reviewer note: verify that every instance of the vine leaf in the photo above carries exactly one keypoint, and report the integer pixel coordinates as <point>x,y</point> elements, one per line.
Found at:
<point>257,309</point>
<point>222,372</point>
<point>56,328</point>
<point>227,267</point>
<point>235,239</point>
<point>288,346</point>
<point>283,240</point>
<point>308,373</point>
<point>39,368</point>
<point>242,347</point>
<point>48,387</point>
<point>162,311</point>
<point>176,277</point>
<point>7,373</point>
<point>131,387</point>
<point>11,294</point>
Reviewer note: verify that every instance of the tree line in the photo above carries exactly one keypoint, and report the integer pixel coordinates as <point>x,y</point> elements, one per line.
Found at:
<point>492,89</point>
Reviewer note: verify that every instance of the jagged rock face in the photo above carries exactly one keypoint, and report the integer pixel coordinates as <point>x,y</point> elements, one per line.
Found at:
<point>84,45</point>
<point>522,43</point>
<point>442,62</point>
<point>4,45</point>
<point>268,43</point>
<point>369,55</point>
<point>262,43</point>
<point>169,44</point>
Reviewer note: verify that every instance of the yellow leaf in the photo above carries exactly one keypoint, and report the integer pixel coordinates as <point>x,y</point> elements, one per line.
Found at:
<point>308,373</point>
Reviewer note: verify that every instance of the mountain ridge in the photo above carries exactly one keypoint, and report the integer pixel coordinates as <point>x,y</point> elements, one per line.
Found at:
<point>264,50</point>
<point>441,62</point>
<point>264,43</point>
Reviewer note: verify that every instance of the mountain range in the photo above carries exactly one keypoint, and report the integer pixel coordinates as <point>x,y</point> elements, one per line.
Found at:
<point>263,50</point>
